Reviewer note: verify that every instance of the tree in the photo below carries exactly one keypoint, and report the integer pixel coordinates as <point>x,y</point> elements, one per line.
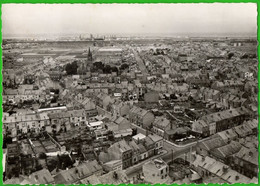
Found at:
<point>230,55</point>
<point>134,131</point>
<point>65,161</point>
<point>114,69</point>
<point>107,69</point>
<point>124,66</point>
<point>173,96</point>
<point>245,56</point>
<point>71,68</point>
<point>52,164</point>
<point>42,156</point>
<point>98,65</point>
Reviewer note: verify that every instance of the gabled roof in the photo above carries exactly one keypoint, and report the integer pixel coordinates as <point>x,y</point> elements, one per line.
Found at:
<point>42,177</point>
<point>248,154</point>
<point>120,120</point>
<point>110,178</point>
<point>213,143</point>
<point>222,115</point>
<point>93,180</point>
<point>155,137</point>
<point>161,122</point>
<point>227,134</point>
<point>138,111</point>
<point>122,146</point>
<point>220,169</point>
<point>75,174</point>
<point>228,149</point>
<point>134,146</point>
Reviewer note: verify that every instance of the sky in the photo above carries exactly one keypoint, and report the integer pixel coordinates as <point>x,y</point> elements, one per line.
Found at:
<point>160,19</point>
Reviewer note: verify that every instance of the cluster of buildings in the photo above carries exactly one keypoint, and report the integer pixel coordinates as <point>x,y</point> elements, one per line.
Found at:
<point>123,104</point>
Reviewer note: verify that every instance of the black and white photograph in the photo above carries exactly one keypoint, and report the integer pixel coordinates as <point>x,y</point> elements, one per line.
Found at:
<point>129,93</point>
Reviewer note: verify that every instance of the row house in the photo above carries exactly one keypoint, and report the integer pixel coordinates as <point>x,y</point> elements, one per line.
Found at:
<point>228,84</point>
<point>158,140</point>
<point>78,117</point>
<point>161,125</point>
<point>137,151</point>
<point>200,127</point>
<point>141,117</point>
<point>246,161</point>
<point>121,151</point>
<point>103,100</point>
<point>122,123</point>
<point>89,107</point>
<point>219,121</point>
<point>227,135</point>
<point>146,148</point>
<point>207,167</point>
<point>72,116</point>
<point>95,91</point>
<point>149,145</point>
<point>38,122</point>
<point>26,123</point>
<point>251,87</point>
<point>132,152</point>
<point>12,155</point>
<point>207,94</point>
<point>120,109</point>
<point>224,153</point>
<point>241,131</point>
<point>204,148</point>
<point>75,174</point>
<point>59,120</point>
<point>17,95</point>
<point>199,81</point>
<point>231,101</point>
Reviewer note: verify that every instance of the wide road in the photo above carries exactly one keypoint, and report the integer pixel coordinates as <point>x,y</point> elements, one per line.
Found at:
<point>175,151</point>
<point>140,62</point>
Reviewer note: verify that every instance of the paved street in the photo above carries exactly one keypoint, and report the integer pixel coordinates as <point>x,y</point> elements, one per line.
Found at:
<point>176,150</point>
<point>140,62</point>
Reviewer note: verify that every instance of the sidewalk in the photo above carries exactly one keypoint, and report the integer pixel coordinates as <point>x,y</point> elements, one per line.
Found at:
<point>186,145</point>
<point>180,146</point>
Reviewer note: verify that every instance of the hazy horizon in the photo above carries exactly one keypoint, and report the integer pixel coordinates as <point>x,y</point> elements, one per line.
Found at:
<point>215,19</point>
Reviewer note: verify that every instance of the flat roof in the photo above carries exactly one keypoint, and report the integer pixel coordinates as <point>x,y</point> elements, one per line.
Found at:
<point>110,50</point>
<point>53,108</point>
<point>97,123</point>
<point>139,136</point>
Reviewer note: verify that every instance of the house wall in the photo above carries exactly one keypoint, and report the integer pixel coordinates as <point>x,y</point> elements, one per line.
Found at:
<point>147,120</point>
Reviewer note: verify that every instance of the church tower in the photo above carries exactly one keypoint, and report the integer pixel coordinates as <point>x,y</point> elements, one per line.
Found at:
<point>90,58</point>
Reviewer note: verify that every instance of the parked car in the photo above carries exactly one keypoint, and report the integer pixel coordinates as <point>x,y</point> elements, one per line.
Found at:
<point>191,137</point>
<point>180,140</point>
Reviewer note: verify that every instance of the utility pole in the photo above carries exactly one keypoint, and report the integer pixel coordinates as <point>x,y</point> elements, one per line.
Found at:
<point>190,154</point>
<point>172,155</point>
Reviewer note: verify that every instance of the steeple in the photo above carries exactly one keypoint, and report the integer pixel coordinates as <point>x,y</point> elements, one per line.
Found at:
<point>89,55</point>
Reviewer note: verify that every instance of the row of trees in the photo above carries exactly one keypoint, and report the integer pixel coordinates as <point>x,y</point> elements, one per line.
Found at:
<point>72,68</point>
<point>107,68</point>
